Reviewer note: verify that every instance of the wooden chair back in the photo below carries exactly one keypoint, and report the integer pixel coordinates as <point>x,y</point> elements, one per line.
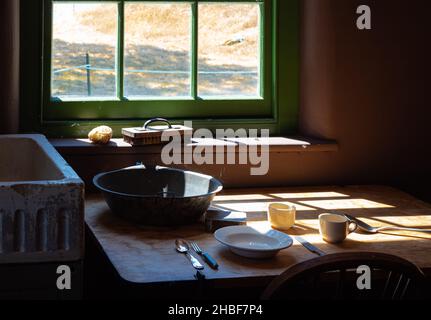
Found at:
<point>336,276</point>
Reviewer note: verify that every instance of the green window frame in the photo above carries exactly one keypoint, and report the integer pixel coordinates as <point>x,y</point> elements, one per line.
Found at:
<point>276,109</point>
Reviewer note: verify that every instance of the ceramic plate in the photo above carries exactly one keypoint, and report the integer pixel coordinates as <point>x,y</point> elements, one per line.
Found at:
<point>251,243</point>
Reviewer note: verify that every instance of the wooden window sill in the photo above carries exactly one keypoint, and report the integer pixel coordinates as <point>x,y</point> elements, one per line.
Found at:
<point>118,146</point>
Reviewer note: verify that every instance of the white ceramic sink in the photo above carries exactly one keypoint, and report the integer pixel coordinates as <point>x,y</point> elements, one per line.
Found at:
<point>41,203</point>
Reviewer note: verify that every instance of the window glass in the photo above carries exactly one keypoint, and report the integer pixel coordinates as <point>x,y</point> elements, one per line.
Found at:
<point>84,50</point>
<point>157,49</point>
<point>229,49</point>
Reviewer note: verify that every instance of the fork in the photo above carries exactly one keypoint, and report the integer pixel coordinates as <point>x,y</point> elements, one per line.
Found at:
<point>206,257</point>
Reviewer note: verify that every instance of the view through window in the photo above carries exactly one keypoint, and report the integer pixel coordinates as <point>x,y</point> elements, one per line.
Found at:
<point>162,50</point>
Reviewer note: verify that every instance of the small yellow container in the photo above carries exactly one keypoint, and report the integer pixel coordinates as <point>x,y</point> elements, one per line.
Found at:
<point>281,216</point>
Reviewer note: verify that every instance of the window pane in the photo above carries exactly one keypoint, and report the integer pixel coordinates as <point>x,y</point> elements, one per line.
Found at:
<point>84,50</point>
<point>229,49</point>
<point>157,49</point>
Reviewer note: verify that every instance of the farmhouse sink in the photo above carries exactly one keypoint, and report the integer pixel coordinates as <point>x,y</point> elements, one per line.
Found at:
<point>41,203</point>
<point>158,196</point>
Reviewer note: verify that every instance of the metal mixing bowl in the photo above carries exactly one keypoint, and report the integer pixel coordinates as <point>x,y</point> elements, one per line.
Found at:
<point>157,196</point>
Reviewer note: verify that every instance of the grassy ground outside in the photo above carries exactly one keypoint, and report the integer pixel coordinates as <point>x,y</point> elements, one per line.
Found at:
<point>157,49</point>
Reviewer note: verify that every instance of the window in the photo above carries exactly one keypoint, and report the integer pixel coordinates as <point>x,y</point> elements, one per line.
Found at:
<point>120,62</point>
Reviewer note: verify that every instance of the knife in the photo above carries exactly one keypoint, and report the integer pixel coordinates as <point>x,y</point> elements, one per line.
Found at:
<point>309,246</point>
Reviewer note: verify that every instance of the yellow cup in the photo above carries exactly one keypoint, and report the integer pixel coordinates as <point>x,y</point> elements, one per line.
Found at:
<point>281,216</point>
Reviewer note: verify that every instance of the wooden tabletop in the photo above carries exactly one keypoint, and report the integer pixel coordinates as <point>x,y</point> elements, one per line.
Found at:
<point>147,255</point>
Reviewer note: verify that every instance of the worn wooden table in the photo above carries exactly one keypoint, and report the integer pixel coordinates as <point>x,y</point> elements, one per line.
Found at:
<point>147,255</point>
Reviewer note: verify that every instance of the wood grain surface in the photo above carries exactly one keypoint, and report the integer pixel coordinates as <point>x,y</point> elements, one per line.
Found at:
<point>147,255</point>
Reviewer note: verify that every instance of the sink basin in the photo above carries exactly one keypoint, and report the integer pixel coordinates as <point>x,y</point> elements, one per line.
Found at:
<point>157,196</point>
<point>41,203</point>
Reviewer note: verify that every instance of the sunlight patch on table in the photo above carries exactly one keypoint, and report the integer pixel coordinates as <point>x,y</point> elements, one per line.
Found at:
<point>334,204</point>
<point>241,197</point>
<point>258,206</point>
<point>306,195</point>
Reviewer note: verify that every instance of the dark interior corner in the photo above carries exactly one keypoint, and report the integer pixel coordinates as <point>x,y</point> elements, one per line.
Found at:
<point>367,91</point>
<point>363,93</point>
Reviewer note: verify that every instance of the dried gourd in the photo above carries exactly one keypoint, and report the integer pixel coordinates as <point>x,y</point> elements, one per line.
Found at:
<point>100,135</point>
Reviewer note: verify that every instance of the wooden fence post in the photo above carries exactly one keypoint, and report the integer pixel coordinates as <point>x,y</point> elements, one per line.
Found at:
<point>87,62</point>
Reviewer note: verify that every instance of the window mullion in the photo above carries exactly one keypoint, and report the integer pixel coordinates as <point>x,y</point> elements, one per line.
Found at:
<point>120,52</point>
<point>194,50</point>
<point>262,48</point>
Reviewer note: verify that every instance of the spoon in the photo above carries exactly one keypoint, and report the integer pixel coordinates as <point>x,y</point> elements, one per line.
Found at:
<point>183,247</point>
<point>366,227</point>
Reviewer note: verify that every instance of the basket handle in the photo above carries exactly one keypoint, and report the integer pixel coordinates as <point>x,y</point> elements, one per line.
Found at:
<point>156,120</point>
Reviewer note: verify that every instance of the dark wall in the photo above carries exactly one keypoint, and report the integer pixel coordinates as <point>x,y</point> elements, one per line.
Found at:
<point>9,66</point>
<point>367,89</point>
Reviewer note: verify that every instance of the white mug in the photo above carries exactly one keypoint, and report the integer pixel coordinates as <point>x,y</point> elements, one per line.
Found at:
<point>334,228</point>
